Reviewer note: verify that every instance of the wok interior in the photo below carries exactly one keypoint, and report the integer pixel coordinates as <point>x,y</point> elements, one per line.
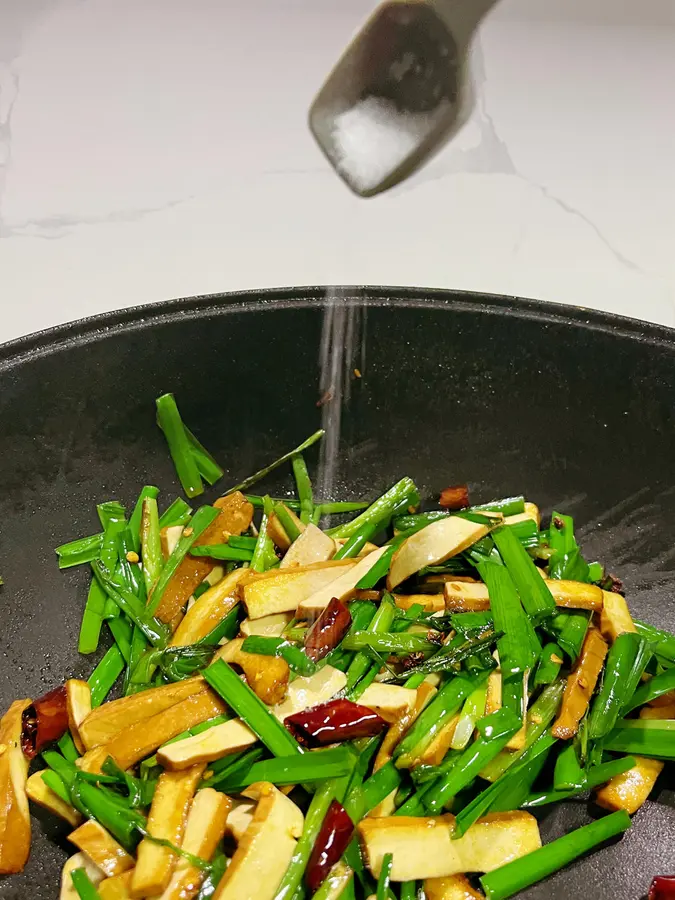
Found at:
<point>522,401</point>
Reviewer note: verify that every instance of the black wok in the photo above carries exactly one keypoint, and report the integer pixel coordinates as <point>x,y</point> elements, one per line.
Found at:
<point>570,407</point>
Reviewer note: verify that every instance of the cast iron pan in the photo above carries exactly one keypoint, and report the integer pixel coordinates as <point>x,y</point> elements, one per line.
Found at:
<point>569,407</point>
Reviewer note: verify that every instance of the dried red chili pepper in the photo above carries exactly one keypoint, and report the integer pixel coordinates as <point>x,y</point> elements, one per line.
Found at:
<point>337,720</point>
<point>328,630</point>
<point>456,497</point>
<point>331,842</point>
<point>45,721</point>
<point>662,888</point>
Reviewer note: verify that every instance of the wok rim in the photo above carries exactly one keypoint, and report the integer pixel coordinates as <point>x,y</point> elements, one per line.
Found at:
<point>97,327</point>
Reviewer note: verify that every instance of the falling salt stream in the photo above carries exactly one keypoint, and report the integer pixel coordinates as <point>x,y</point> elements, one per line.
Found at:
<point>343,335</point>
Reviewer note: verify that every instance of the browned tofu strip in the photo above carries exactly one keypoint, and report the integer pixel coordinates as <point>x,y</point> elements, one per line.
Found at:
<point>266,675</point>
<point>455,887</point>
<point>110,719</point>
<point>142,739</point>
<point>580,685</point>
<point>167,818</point>
<point>14,815</point>
<point>235,517</point>
<point>116,888</point>
<point>203,832</point>
<point>630,789</point>
<point>208,611</point>
<point>102,848</point>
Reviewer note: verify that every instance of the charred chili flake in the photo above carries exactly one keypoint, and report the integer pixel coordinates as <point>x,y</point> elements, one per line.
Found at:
<point>333,839</point>
<point>612,584</point>
<point>337,720</point>
<point>326,397</point>
<point>662,888</point>
<point>557,523</point>
<point>413,660</point>
<point>456,497</point>
<point>328,630</point>
<point>45,721</point>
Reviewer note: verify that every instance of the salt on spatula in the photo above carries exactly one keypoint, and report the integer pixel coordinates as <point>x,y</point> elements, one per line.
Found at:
<point>401,89</point>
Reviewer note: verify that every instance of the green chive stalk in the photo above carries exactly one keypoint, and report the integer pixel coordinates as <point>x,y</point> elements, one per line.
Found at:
<point>149,492</point>
<point>110,511</point>
<point>316,813</point>
<point>84,888</point>
<point>663,641</point>
<point>284,770</point>
<point>549,665</point>
<point>643,737</point>
<point>83,550</point>
<point>178,513</point>
<point>539,717</point>
<point>451,654</point>
<point>447,702</point>
<point>151,544</point>
<point>374,790</point>
<point>287,457</point>
<point>121,630</point>
<point>235,767</point>
<point>227,552</point>
<point>207,466</point>
<point>494,732</point>
<point>204,517</point>
<point>656,687</point>
<point>286,521</point>
<point>342,506</point>
<point>385,877</point>
<point>516,644</point>
<point>104,676</point>
<point>55,783</point>
<point>66,745</point>
<point>568,774</point>
<point>303,487</point>
<point>568,627</point>
<point>361,663</point>
<point>482,803</point>
<point>251,709</point>
<point>139,647</point>
<point>595,776</point>
<point>124,823</point>
<point>381,510</point>
<point>380,568</point>
<point>355,544</point>
<point>96,608</point>
<point>518,875</point>
<point>517,790</point>
<point>298,661</point>
<point>534,593</point>
<point>156,632</point>
<point>170,422</point>
<point>389,643</point>
<point>263,554</point>
<point>472,711</point>
<point>626,661</point>
<point>256,500</point>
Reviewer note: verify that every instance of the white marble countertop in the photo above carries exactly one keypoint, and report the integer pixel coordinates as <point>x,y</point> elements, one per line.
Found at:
<point>158,148</point>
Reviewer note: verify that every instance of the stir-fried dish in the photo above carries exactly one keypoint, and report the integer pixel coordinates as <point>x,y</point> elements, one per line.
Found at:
<point>369,710</point>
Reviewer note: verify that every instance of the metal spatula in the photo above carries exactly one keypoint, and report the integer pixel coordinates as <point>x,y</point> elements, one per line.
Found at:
<point>400,91</point>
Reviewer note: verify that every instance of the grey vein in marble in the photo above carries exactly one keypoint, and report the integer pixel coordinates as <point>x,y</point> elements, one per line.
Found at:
<point>9,93</point>
<point>492,156</point>
<point>55,227</point>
